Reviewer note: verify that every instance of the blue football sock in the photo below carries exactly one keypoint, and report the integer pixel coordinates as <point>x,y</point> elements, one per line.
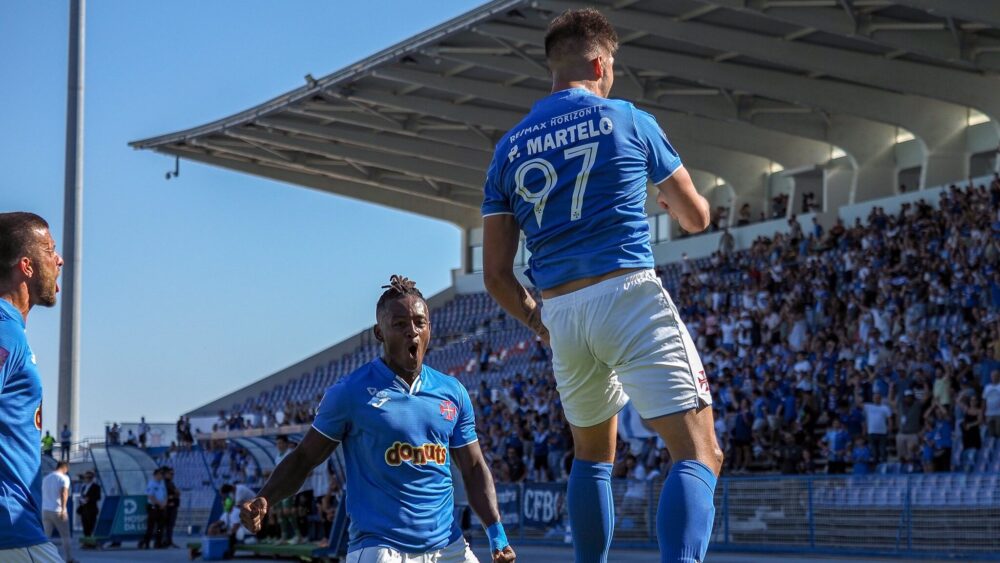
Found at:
<point>686,512</point>
<point>591,510</point>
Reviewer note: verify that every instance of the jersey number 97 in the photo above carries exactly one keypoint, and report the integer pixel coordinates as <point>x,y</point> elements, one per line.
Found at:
<point>588,152</point>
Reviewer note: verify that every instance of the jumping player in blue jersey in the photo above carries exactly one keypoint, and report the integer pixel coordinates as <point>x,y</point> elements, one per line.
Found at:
<point>401,423</point>
<point>572,176</point>
<point>29,268</point>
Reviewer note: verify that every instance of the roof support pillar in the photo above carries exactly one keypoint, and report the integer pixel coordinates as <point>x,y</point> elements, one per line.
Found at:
<point>946,155</point>
<point>839,180</point>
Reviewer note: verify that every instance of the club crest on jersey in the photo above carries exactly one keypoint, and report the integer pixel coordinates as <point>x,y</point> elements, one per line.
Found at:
<point>448,410</point>
<point>4,354</point>
<point>417,455</point>
<point>38,416</point>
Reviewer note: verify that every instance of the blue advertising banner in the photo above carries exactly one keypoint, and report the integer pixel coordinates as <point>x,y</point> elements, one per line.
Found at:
<point>544,504</point>
<point>507,502</point>
<point>130,519</point>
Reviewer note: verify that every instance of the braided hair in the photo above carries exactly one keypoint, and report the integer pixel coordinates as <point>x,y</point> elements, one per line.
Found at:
<point>399,286</point>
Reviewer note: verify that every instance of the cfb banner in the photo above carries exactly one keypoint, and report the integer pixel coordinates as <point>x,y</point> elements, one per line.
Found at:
<point>534,505</point>
<point>543,504</point>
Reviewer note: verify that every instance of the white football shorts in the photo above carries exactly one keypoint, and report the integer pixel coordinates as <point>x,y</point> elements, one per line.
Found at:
<point>41,553</point>
<point>457,551</point>
<point>622,338</point>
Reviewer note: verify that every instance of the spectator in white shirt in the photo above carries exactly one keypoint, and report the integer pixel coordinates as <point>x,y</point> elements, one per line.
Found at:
<point>802,364</point>
<point>143,432</point>
<point>728,328</point>
<point>798,334</point>
<point>55,496</point>
<point>877,420</point>
<point>991,396</point>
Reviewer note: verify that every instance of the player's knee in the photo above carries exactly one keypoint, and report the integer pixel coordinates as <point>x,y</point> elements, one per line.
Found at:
<point>717,459</point>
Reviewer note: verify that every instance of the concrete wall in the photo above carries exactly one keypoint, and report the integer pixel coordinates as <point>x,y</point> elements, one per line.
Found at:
<point>982,137</point>
<point>892,205</point>
<point>809,182</point>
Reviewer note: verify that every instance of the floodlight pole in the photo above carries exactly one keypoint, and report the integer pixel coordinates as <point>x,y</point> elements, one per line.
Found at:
<point>69,332</point>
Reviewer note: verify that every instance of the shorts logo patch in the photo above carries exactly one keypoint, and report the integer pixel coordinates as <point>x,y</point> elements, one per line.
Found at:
<point>703,381</point>
<point>448,410</point>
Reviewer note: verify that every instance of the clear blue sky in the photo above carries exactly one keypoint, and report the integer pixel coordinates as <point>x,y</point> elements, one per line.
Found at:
<point>200,285</point>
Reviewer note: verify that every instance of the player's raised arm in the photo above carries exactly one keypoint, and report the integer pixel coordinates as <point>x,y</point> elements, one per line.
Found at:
<point>287,477</point>
<point>664,168</point>
<point>501,235</point>
<point>679,196</point>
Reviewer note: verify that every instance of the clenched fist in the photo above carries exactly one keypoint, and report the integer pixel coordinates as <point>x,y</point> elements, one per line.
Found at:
<point>506,555</point>
<point>252,514</point>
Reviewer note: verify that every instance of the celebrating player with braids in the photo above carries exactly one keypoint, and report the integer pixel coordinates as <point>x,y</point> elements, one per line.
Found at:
<point>572,176</point>
<point>400,423</point>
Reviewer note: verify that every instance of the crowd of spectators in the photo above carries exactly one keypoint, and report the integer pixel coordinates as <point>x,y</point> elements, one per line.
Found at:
<point>824,345</point>
<point>522,431</point>
<point>138,438</point>
<point>828,351</point>
<point>291,413</point>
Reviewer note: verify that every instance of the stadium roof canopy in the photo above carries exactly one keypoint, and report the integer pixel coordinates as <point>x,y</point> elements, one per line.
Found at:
<point>739,85</point>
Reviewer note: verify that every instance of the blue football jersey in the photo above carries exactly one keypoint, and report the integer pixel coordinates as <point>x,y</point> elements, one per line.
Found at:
<point>20,435</point>
<point>396,439</point>
<point>573,173</point>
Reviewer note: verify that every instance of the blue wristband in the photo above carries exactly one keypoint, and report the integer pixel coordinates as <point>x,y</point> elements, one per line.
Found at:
<point>497,537</point>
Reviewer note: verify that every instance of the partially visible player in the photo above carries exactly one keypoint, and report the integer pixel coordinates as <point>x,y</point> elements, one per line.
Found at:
<point>572,176</point>
<point>400,423</point>
<point>29,268</point>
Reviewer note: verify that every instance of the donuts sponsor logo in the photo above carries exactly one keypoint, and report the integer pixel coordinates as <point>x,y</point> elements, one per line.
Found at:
<point>401,452</point>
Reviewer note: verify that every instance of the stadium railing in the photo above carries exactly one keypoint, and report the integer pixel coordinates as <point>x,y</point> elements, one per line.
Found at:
<point>938,515</point>
<point>253,432</point>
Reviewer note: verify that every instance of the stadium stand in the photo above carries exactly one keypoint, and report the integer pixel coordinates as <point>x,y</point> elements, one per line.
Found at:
<point>797,330</point>
<point>861,347</point>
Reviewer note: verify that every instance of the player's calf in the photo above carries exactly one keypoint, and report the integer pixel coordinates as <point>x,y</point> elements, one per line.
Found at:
<point>686,511</point>
<point>589,498</point>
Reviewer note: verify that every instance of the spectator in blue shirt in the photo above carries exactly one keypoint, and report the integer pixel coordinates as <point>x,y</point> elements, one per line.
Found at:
<point>854,419</point>
<point>540,453</point>
<point>742,437</point>
<point>835,444</point>
<point>156,505</point>
<point>65,441</point>
<point>861,456</point>
<point>557,450</point>
<point>927,452</point>
<point>789,410</point>
<point>759,411</point>
<point>942,440</point>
